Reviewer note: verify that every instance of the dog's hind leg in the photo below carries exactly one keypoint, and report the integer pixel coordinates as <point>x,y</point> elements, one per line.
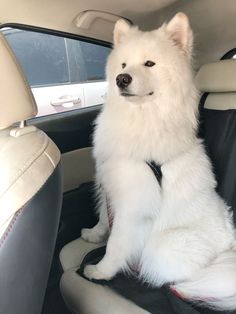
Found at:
<point>174,255</point>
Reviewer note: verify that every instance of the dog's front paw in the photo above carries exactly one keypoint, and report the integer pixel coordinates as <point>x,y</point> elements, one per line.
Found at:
<point>93,272</point>
<point>91,235</point>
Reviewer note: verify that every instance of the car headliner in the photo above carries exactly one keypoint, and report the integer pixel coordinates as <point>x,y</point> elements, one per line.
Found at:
<point>213,21</point>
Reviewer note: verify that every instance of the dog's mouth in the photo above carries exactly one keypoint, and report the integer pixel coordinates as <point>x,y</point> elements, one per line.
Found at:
<point>126,94</point>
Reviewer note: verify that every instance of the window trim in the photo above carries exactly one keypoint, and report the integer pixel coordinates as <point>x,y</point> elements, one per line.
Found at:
<point>57,33</point>
<point>66,83</point>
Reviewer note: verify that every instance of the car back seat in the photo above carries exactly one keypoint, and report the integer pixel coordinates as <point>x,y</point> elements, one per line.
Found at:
<point>218,127</point>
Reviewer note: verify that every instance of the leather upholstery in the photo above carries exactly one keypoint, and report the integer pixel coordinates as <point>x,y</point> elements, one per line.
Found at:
<point>221,101</point>
<point>85,297</point>
<point>217,77</point>
<point>26,250</point>
<point>17,102</point>
<point>74,252</point>
<point>30,195</point>
<point>26,162</point>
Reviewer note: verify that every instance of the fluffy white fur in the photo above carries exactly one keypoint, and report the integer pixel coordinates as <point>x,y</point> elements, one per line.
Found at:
<point>180,232</point>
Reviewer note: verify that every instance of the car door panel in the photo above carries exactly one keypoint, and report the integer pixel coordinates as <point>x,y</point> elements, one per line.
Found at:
<point>72,132</point>
<point>78,168</point>
<point>53,99</point>
<point>95,93</point>
<point>69,130</point>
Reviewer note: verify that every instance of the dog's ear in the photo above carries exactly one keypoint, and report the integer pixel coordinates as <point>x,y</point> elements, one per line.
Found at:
<point>121,29</point>
<point>180,32</point>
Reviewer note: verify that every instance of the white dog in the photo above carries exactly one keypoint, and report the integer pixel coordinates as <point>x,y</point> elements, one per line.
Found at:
<point>177,230</point>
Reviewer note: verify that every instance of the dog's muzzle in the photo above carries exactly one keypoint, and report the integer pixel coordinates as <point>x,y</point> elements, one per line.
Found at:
<point>123,80</point>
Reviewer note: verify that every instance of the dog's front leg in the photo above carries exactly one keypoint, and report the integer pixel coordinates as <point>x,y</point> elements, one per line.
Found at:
<point>100,231</point>
<point>119,248</point>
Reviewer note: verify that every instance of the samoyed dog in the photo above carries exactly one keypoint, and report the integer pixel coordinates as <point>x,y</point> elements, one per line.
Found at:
<point>176,229</point>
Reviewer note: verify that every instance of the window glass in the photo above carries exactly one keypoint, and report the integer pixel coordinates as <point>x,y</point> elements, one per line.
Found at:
<point>95,60</point>
<point>42,57</point>
<point>64,74</point>
<point>78,72</point>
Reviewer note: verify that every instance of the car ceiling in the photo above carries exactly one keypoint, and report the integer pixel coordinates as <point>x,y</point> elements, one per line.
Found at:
<point>213,21</point>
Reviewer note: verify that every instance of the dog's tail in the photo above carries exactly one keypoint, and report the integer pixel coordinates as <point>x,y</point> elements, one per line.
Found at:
<point>215,286</point>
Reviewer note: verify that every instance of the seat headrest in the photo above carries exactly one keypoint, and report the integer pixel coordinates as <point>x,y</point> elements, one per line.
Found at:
<point>16,99</point>
<point>217,77</point>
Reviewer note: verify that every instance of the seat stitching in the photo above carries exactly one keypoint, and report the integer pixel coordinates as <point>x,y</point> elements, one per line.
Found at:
<point>10,226</point>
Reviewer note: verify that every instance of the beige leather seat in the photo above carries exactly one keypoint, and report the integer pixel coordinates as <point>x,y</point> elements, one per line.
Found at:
<point>84,297</point>
<point>30,194</point>
<point>218,81</point>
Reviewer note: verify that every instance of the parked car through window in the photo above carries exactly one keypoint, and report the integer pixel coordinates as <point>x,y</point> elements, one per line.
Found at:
<point>64,73</point>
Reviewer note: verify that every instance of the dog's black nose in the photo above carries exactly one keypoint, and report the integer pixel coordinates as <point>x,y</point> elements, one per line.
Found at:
<point>123,80</point>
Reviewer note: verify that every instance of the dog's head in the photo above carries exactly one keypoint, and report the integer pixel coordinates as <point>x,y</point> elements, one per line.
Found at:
<point>145,65</point>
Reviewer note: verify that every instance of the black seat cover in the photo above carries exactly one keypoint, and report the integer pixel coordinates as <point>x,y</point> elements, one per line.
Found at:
<point>220,140</point>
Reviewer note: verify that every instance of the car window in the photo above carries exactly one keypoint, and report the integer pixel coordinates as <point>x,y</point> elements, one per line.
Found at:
<point>64,74</point>
<point>87,61</point>
<point>42,57</point>
<point>95,60</point>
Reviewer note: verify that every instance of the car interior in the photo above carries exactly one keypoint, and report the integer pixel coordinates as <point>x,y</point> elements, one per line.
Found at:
<point>46,164</point>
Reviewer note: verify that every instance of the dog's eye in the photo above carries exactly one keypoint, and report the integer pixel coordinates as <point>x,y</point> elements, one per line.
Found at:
<point>123,65</point>
<point>149,63</point>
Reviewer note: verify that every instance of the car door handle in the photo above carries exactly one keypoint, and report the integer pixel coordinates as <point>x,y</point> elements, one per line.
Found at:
<point>65,99</point>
